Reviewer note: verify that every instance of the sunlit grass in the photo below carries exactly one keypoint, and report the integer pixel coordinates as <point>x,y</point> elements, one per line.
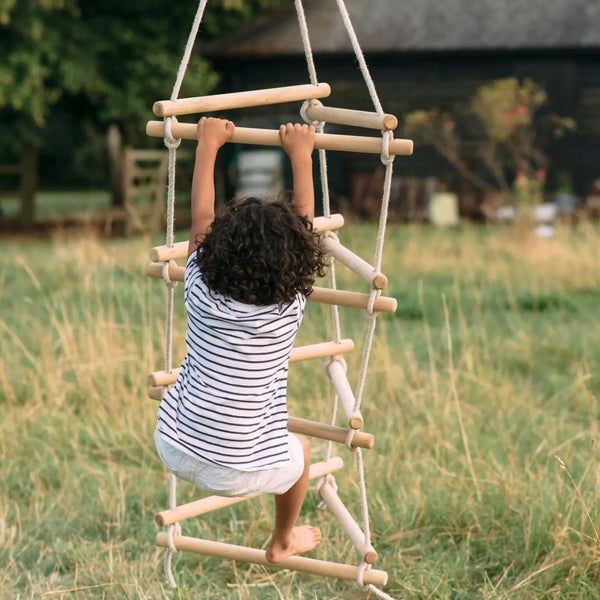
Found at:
<point>488,370</point>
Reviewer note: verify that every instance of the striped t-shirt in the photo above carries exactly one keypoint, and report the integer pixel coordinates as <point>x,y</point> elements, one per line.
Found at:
<point>228,405</point>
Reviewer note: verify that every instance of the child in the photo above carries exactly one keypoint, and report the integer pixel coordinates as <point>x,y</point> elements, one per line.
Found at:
<point>223,425</point>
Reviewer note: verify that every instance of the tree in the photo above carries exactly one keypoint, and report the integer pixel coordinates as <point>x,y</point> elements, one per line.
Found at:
<point>496,141</point>
<point>71,67</point>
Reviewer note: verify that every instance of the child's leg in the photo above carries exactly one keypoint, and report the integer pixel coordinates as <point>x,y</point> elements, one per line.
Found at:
<point>288,539</point>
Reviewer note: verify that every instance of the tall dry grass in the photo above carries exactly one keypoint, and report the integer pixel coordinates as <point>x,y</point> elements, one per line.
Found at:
<point>489,369</point>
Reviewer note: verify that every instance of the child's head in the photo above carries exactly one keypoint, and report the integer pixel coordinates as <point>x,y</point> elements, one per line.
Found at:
<point>260,253</point>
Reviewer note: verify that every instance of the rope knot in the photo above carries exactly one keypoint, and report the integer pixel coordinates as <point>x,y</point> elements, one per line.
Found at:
<point>330,479</point>
<point>165,273</point>
<point>386,158</point>
<point>348,440</point>
<point>336,358</point>
<point>170,142</point>
<point>304,113</point>
<point>359,575</point>
<point>370,312</point>
<point>173,531</point>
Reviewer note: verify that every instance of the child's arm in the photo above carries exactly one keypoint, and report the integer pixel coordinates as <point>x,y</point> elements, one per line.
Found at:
<point>298,142</point>
<point>212,134</point>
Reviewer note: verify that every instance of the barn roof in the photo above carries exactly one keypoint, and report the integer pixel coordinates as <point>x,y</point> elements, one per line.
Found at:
<point>423,25</point>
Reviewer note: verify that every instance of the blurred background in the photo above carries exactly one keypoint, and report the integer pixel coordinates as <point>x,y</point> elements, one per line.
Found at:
<point>501,98</point>
<point>483,390</point>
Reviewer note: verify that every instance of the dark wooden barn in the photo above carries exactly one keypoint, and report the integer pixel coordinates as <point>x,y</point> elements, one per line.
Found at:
<point>426,53</point>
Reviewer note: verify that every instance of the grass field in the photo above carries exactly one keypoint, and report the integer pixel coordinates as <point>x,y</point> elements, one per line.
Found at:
<point>483,397</point>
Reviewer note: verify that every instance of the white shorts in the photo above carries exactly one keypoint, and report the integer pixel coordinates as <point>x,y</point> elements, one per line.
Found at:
<point>225,481</point>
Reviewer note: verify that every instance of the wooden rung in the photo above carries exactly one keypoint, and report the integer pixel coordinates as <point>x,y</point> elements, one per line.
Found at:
<point>351,299</point>
<point>321,350</point>
<point>201,104</point>
<point>255,556</point>
<point>180,249</point>
<point>347,522</point>
<point>354,118</point>
<point>329,432</point>
<point>162,378</point>
<point>300,353</point>
<point>339,381</point>
<point>354,262</point>
<point>270,137</point>
<point>156,392</point>
<point>210,503</point>
<point>319,294</point>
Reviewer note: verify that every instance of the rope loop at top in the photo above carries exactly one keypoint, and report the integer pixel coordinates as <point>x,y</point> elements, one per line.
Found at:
<point>170,141</point>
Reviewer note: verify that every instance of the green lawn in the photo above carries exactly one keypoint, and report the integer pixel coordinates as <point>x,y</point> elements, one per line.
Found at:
<point>54,204</point>
<point>482,396</point>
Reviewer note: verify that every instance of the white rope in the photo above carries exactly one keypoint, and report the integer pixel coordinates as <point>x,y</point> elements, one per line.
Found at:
<point>310,63</point>
<point>172,144</point>
<point>188,49</point>
<point>387,160</point>
<point>360,57</point>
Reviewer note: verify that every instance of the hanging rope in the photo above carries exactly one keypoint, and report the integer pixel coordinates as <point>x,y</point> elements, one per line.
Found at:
<point>387,160</point>
<point>172,144</point>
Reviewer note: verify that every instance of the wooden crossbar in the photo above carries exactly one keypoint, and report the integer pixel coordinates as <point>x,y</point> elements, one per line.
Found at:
<point>339,381</point>
<point>298,354</point>
<point>156,392</point>
<point>255,556</point>
<point>347,522</point>
<point>180,249</point>
<point>330,432</point>
<point>201,104</point>
<point>270,137</point>
<point>354,118</point>
<point>319,294</point>
<point>351,299</point>
<point>210,503</point>
<point>354,262</point>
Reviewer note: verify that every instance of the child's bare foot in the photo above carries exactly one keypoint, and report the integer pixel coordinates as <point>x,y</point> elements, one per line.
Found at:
<point>302,539</point>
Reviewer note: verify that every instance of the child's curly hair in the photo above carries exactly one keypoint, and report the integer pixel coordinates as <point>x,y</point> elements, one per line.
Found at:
<point>260,253</point>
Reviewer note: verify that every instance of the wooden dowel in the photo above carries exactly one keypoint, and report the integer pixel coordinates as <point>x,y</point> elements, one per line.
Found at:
<point>160,378</point>
<point>338,379</point>
<point>210,503</point>
<point>270,137</point>
<point>298,354</point>
<point>321,350</point>
<point>176,272</point>
<point>319,294</point>
<point>156,393</point>
<point>255,556</point>
<point>351,299</point>
<point>354,118</point>
<point>180,249</point>
<point>165,253</point>
<point>330,432</point>
<point>201,104</point>
<point>347,522</point>
<point>354,262</point>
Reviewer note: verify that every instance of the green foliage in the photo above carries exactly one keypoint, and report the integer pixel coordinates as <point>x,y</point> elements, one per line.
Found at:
<point>102,62</point>
<point>496,140</point>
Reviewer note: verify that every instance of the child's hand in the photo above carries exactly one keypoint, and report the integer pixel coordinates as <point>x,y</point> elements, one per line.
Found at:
<point>297,140</point>
<point>213,133</point>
